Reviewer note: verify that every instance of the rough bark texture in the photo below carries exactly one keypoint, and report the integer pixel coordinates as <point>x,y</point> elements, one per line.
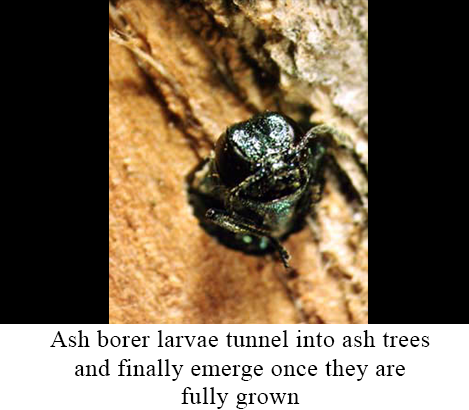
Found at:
<point>195,68</point>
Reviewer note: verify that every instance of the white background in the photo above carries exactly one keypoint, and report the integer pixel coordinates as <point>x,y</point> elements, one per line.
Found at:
<point>34,375</point>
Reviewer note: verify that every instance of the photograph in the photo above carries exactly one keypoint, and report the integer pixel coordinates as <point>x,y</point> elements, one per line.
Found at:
<point>238,162</point>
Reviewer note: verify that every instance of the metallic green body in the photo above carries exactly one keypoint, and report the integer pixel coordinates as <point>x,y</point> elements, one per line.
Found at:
<point>259,184</point>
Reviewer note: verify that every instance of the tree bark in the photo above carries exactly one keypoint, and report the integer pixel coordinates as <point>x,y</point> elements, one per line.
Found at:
<point>180,72</point>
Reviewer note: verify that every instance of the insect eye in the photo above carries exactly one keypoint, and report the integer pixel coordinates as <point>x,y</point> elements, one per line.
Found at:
<point>231,165</point>
<point>240,149</point>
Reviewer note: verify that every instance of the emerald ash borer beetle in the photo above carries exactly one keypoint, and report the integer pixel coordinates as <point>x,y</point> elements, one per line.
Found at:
<point>260,182</point>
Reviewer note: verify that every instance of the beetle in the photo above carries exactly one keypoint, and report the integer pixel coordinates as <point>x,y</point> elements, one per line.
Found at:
<point>260,182</point>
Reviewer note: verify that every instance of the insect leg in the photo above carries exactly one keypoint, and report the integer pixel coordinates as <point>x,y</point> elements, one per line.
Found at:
<point>234,223</point>
<point>324,131</point>
<point>250,180</point>
<point>344,155</point>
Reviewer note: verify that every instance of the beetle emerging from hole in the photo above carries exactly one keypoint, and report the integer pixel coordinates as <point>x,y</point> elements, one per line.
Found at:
<point>259,184</point>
